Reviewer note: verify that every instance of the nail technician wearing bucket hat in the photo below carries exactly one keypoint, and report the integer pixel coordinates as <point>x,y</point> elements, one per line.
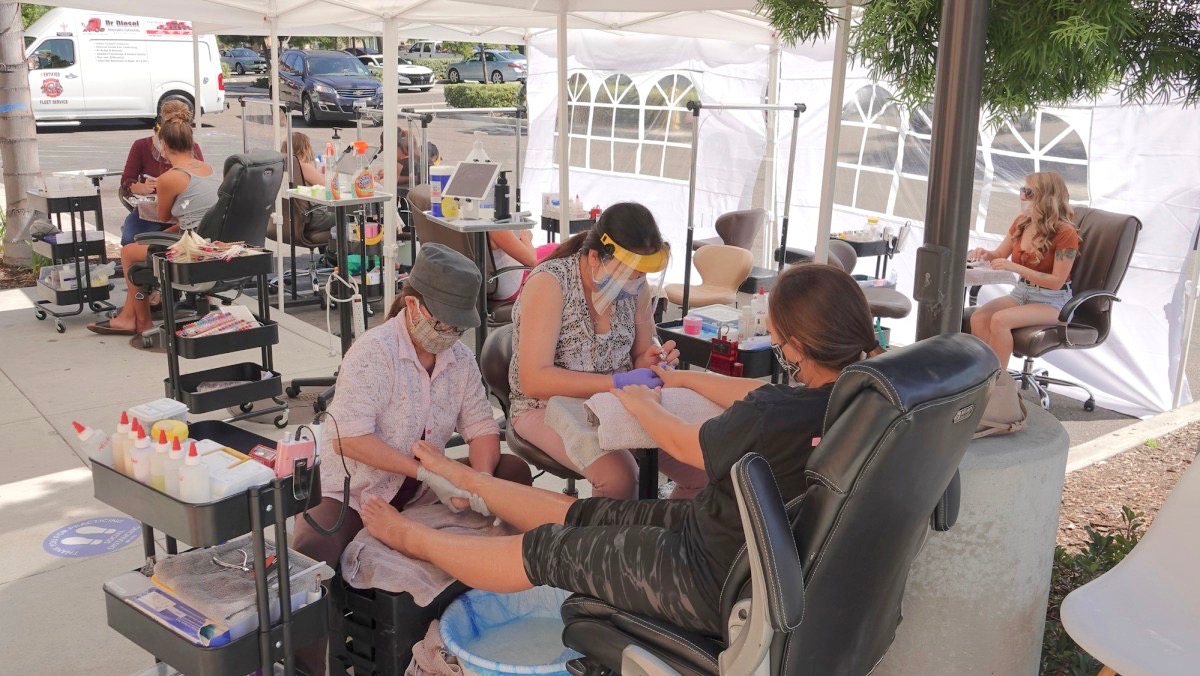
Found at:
<point>405,384</point>
<point>582,325</point>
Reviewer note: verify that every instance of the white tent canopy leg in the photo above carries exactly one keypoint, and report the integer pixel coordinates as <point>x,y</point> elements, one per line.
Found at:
<point>198,98</point>
<point>391,101</point>
<point>837,92</point>
<point>278,215</point>
<point>564,137</point>
<point>1190,294</point>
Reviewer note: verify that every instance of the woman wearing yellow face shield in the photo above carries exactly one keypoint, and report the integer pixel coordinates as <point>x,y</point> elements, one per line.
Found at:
<point>582,325</point>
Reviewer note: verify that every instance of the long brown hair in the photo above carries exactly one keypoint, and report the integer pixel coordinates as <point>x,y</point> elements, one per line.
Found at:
<point>628,223</point>
<point>1051,209</point>
<point>301,148</point>
<point>824,310</point>
<point>175,129</point>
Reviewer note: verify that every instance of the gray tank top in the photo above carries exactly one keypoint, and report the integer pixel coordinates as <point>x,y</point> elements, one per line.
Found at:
<point>197,198</point>
<point>579,347</point>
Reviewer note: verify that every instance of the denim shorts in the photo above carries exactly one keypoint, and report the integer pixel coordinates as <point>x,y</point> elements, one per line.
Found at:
<point>1025,293</point>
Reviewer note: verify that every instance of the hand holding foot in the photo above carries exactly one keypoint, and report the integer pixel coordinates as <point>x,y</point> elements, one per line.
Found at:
<point>461,477</point>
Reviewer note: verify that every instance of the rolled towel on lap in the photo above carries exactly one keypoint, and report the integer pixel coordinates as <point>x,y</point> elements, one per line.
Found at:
<point>619,430</point>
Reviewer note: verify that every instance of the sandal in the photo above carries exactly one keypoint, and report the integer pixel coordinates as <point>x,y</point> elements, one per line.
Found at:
<point>105,328</point>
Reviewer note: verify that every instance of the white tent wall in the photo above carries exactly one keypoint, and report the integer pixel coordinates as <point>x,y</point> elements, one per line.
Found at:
<point>1141,160</point>
<point>732,143</point>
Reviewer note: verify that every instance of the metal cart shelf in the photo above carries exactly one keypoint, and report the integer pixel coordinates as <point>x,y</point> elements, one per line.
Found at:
<point>257,380</point>
<point>252,511</point>
<point>78,251</point>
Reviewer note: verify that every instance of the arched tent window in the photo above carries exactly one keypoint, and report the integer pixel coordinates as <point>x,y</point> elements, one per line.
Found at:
<point>579,110</point>
<point>868,150</point>
<point>1041,141</point>
<point>616,126</point>
<point>666,138</point>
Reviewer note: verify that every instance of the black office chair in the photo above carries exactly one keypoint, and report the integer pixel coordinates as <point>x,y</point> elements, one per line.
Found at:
<point>494,360</point>
<point>818,588</point>
<point>245,201</point>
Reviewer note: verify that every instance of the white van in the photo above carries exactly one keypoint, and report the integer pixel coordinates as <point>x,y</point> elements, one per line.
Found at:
<point>90,65</point>
<point>430,49</point>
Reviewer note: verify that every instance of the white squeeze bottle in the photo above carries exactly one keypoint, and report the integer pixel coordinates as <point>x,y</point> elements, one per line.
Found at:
<point>120,442</point>
<point>194,482</point>
<point>135,426</point>
<point>171,468</point>
<point>139,457</point>
<point>158,462</point>
<point>759,305</point>
<point>95,443</point>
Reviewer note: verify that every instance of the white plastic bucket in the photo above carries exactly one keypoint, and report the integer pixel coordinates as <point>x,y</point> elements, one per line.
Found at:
<point>508,634</point>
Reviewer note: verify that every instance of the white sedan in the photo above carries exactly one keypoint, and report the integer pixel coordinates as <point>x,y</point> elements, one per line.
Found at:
<point>411,76</point>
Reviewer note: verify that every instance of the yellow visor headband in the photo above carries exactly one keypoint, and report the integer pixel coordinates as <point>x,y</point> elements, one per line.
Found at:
<point>648,263</point>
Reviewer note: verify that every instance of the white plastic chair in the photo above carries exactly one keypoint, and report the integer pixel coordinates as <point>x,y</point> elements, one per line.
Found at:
<point>1143,616</point>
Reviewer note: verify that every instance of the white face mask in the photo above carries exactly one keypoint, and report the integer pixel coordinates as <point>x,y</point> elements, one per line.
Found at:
<point>1026,208</point>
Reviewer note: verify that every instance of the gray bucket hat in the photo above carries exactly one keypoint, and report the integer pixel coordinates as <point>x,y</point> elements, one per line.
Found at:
<point>449,283</point>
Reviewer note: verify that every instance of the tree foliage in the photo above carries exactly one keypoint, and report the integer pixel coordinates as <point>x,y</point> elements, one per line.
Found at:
<point>1038,53</point>
<point>31,13</point>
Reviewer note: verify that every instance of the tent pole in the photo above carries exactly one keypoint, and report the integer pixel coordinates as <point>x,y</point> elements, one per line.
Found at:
<point>791,176</point>
<point>770,189</point>
<point>198,99</point>
<point>833,132</point>
<point>391,214</point>
<point>695,107</point>
<point>278,215</point>
<point>564,133</point>
<point>1190,294</point>
<point>942,260</point>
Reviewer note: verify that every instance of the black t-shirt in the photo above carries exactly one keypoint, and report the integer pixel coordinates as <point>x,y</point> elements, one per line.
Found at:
<point>778,422</point>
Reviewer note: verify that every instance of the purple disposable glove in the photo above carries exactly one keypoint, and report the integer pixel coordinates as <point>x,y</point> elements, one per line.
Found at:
<point>637,377</point>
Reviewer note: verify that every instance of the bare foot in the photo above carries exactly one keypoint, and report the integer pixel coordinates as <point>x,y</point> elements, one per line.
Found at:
<point>455,472</point>
<point>388,525</point>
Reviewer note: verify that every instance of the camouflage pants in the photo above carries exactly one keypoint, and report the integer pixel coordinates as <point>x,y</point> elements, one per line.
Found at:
<point>631,554</point>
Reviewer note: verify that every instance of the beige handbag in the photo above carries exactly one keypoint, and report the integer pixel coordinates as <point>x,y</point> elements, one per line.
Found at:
<point>1005,412</point>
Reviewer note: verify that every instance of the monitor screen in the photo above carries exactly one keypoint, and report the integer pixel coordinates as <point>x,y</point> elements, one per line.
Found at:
<point>472,180</point>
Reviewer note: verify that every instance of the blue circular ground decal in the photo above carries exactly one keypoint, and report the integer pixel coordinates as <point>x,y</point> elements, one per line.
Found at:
<point>92,537</point>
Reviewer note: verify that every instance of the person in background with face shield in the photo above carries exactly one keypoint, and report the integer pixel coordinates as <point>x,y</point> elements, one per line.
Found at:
<point>582,325</point>
<point>1042,244</point>
<point>145,163</point>
<point>405,385</point>
<point>665,559</point>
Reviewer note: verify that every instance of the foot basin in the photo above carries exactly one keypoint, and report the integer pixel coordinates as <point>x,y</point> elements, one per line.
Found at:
<point>501,634</point>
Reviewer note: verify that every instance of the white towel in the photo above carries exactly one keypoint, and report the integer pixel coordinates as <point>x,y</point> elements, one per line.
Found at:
<point>369,564</point>
<point>619,430</point>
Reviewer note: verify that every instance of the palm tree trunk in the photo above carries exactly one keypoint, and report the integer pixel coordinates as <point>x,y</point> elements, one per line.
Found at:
<point>18,135</point>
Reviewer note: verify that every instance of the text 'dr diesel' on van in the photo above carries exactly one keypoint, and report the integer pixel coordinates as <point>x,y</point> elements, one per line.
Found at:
<point>90,65</point>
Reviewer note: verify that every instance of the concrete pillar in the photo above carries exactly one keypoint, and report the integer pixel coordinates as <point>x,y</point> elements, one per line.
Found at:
<point>976,596</point>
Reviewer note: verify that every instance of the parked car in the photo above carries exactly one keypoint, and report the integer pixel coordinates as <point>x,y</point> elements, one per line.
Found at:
<point>326,85</point>
<point>360,51</point>
<point>430,49</point>
<point>502,66</point>
<point>411,76</point>
<point>243,60</point>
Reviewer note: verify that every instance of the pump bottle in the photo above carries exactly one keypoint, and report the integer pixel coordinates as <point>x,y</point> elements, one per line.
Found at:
<point>330,172</point>
<point>759,305</point>
<point>96,443</point>
<point>194,482</point>
<point>364,183</point>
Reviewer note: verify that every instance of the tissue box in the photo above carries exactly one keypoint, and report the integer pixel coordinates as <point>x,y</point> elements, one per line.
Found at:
<point>159,409</point>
